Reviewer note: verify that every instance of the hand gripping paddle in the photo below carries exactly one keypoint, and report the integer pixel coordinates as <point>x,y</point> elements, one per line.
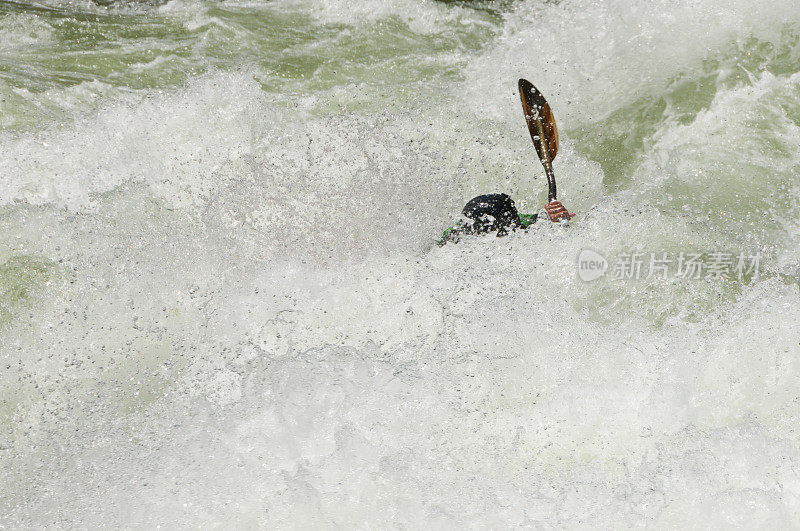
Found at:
<point>542,127</point>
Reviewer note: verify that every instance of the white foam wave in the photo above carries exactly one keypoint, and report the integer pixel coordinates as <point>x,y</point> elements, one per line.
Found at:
<point>590,58</point>
<point>158,145</point>
<point>23,30</point>
<point>426,16</point>
<point>226,310</point>
<point>351,394</point>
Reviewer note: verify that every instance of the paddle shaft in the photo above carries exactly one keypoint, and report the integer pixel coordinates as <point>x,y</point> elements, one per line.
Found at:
<point>547,163</point>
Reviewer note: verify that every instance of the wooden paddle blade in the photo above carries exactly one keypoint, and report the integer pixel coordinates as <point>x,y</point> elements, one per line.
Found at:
<point>540,119</point>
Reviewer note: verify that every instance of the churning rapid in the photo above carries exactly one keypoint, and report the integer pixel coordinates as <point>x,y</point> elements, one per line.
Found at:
<point>221,303</point>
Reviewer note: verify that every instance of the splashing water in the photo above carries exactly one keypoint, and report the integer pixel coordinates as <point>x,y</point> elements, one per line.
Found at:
<point>221,305</point>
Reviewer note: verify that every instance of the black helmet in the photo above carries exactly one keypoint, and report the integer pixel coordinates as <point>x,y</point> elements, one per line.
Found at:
<point>489,213</point>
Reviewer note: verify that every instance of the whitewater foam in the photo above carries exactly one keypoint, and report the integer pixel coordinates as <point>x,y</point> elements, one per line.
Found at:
<point>221,304</point>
